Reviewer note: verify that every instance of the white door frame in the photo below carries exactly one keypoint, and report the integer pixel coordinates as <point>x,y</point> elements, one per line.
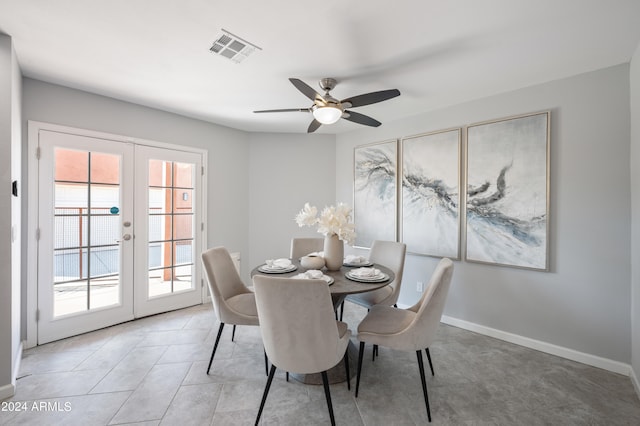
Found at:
<point>34,128</point>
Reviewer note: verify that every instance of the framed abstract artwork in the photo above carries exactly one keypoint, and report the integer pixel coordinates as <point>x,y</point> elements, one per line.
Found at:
<point>430,192</point>
<point>507,194</point>
<point>374,192</point>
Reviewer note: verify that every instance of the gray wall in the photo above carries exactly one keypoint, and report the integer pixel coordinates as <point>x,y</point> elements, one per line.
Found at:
<point>583,302</point>
<point>258,182</point>
<point>286,171</point>
<point>10,97</point>
<point>635,225</point>
<point>228,173</point>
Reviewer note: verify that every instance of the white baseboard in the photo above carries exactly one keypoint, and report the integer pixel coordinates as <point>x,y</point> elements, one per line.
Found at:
<point>636,383</point>
<point>584,358</point>
<point>7,391</point>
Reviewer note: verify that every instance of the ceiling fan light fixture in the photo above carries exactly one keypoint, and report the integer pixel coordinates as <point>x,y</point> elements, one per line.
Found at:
<point>328,114</point>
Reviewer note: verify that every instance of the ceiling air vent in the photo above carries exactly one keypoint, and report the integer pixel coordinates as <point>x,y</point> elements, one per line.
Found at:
<point>232,47</point>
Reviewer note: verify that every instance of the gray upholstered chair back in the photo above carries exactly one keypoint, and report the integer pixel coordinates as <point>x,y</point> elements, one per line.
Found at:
<point>421,331</point>
<point>390,254</point>
<point>298,325</point>
<point>303,246</point>
<point>224,283</point>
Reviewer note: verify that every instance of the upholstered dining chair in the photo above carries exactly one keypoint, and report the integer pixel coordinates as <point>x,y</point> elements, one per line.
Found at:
<point>411,329</point>
<point>299,331</point>
<point>233,302</point>
<point>303,246</point>
<point>390,254</point>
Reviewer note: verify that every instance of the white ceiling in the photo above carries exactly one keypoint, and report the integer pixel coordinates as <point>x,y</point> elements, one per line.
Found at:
<point>436,52</point>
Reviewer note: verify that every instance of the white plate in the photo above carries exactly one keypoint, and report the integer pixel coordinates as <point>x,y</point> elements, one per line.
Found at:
<point>327,278</point>
<point>382,277</point>
<point>270,270</point>
<point>355,265</point>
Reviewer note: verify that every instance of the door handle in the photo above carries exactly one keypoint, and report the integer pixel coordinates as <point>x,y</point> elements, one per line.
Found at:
<point>125,237</point>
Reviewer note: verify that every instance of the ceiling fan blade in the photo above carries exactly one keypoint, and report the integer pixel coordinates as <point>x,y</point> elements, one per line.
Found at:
<point>285,110</point>
<point>306,89</point>
<point>371,98</point>
<point>315,124</point>
<point>361,119</point>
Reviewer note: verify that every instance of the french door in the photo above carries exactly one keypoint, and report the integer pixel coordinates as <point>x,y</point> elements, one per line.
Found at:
<point>119,232</point>
<point>166,250</point>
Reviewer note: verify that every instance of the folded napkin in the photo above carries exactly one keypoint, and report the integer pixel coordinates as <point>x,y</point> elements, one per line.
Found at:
<point>354,259</point>
<point>282,263</point>
<point>311,274</point>
<point>365,272</point>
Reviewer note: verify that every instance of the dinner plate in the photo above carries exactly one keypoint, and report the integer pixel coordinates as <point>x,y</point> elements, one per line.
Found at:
<point>327,278</point>
<point>382,277</point>
<point>270,270</point>
<point>355,265</point>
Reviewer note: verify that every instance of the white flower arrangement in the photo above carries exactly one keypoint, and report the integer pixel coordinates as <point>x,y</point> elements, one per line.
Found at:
<point>332,220</point>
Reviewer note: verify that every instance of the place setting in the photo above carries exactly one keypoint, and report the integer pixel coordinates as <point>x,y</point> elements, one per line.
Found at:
<point>353,260</point>
<point>314,274</point>
<point>277,266</point>
<point>367,275</point>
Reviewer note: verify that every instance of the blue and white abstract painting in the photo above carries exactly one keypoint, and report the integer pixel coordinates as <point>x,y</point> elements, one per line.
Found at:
<point>374,195</point>
<point>431,194</point>
<point>507,185</point>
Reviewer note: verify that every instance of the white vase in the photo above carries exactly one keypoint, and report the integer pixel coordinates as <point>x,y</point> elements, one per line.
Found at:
<point>333,252</point>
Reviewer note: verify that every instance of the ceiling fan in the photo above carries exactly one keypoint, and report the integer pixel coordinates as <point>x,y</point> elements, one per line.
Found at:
<point>327,110</point>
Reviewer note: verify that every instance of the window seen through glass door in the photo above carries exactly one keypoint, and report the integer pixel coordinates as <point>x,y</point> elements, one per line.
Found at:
<point>171,227</point>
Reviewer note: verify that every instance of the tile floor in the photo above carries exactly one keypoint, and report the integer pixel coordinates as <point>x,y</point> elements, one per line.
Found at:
<point>152,372</point>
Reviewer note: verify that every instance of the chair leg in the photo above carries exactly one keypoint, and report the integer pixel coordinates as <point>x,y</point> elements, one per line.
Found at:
<point>266,364</point>
<point>327,394</point>
<point>429,358</point>
<point>424,384</point>
<point>215,346</point>
<point>266,392</point>
<point>375,352</point>
<point>233,333</point>
<point>341,310</point>
<point>360,353</point>
<point>287,376</point>
<point>346,368</point>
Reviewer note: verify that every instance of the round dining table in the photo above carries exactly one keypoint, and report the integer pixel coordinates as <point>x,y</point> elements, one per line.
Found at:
<point>339,289</point>
<point>341,286</point>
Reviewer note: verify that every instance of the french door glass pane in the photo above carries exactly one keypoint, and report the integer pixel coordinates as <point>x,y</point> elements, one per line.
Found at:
<point>71,196</point>
<point>171,233</point>
<point>86,231</point>
<point>105,168</point>
<point>182,200</point>
<point>183,252</point>
<point>71,165</point>
<point>160,200</point>
<point>183,175</point>
<point>182,227</point>
<point>70,228</point>
<point>105,231</point>
<point>183,278</point>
